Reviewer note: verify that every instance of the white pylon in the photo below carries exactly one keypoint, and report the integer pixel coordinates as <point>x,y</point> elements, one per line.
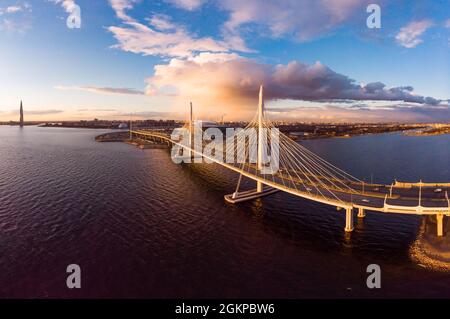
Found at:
<point>259,185</point>
<point>191,127</point>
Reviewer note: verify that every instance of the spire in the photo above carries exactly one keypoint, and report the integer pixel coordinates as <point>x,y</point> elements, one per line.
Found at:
<point>191,120</point>
<point>261,100</point>
<point>21,114</point>
<point>191,125</point>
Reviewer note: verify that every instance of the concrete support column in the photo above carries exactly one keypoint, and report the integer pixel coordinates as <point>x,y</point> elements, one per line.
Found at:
<point>259,186</point>
<point>349,219</point>
<point>440,224</point>
<point>361,212</point>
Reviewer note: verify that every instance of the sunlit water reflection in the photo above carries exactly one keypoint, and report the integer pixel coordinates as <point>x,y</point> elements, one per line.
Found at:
<point>141,226</point>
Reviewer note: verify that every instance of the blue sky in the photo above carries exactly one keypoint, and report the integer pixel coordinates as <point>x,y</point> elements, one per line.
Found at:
<point>318,60</point>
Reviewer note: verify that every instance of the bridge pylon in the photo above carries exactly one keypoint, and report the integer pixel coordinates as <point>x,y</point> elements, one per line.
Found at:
<point>191,125</point>
<point>260,191</point>
<point>440,225</point>
<point>259,185</point>
<point>302,173</point>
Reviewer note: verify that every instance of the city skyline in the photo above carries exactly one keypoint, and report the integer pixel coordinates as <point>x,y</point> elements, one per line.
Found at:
<point>152,58</point>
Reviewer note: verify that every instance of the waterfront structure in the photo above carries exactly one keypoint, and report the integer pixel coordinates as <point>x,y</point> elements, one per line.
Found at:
<point>304,174</point>
<point>21,114</point>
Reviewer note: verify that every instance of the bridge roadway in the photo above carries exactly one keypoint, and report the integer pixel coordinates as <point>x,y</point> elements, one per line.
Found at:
<point>420,199</point>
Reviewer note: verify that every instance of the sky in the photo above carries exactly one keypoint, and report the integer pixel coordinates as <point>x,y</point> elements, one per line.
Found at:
<point>318,59</point>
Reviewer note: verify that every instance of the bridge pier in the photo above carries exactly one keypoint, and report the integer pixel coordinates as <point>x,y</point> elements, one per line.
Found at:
<point>259,186</point>
<point>440,224</point>
<point>361,212</point>
<point>349,219</point>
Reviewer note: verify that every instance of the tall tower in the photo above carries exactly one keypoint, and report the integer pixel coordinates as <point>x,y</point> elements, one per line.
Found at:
<point>191,119</point>
<point>21,114</point>
<point>259,185</point>
<point>191,126</point>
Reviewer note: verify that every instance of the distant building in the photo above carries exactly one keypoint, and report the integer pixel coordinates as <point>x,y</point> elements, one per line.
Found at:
<point>206,124</point>
<point>299,133</point>
<point>123,125</point>
<point>21,114</point>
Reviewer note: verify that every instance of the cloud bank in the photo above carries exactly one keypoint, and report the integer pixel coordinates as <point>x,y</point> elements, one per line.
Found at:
<point>235,82</point>
<point>364,112</point>
<point>96,89</point>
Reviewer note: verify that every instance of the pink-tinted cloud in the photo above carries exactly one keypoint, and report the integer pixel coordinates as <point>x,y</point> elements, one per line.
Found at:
<point>409,35</point>
<point>97,89</point>
<point>120,6</point>
<point>390,112</point>
<point>13,9</point>
<point>303,19</point>
<point>229,82</point>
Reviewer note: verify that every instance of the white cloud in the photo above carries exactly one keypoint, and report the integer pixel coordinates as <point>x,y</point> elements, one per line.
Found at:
<point>16,19</point>
<point>187,4</point>
<point>161,22</point>
<point>139,38</point>
<point>25,7</point>
<point>163,37</point>
<point>409,35</point>
<point>68,5</point>
<point>13,9</point>
<point>120,6</point>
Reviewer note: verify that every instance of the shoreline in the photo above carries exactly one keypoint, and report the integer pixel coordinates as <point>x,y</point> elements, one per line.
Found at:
<point>406,132</point>
<point>124,137</point>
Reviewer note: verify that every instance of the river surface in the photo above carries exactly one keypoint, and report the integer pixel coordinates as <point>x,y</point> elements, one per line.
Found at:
<point>140,226</point>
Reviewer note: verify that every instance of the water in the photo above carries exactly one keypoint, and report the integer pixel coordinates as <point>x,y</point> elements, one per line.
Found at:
<point>141,226</point>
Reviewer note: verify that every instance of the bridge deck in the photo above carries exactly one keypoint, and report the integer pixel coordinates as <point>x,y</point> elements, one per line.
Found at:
<point>398,198</point>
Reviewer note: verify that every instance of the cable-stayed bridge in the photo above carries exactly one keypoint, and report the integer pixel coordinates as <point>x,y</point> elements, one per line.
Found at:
<point>294,169</point>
